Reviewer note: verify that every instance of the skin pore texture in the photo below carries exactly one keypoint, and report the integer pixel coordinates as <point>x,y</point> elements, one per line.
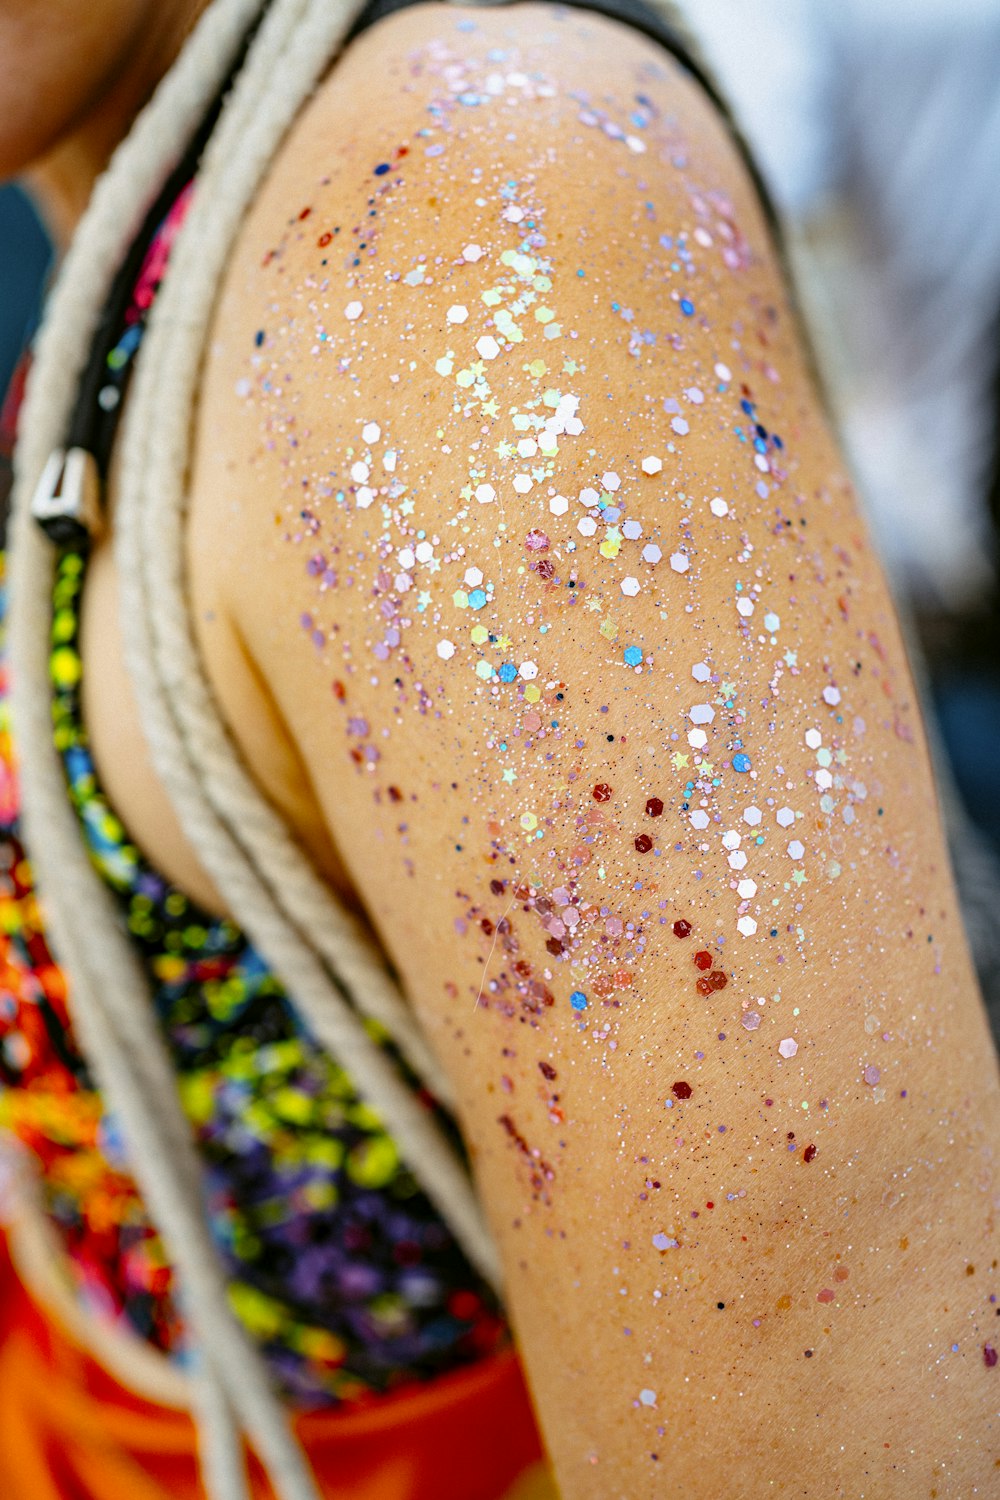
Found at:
<point>530,579</point>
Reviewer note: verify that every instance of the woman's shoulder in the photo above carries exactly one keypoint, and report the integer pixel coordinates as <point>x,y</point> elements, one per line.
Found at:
<point>512,484</point>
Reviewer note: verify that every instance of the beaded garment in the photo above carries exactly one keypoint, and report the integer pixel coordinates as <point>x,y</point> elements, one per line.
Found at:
<point>340,1267</point>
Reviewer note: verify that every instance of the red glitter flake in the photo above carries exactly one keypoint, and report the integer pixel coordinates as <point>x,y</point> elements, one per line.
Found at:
<point>602,792</point>
<point>324,239</point>
<point>339,691</point>
<point>305,213</point>
<point>682,928</point>
<point>989,1356</point>
<point>709,983</point>
<point>654,807</point>
<point>547,1070</point>
<point>809,1154</point>
<point>643,843</point>
<point>681,1090</point>
<point>546,569</point>
<point>703,959</point>
<point>826,1295</point>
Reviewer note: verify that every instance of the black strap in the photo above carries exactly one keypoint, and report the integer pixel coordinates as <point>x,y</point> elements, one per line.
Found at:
<point>92,426</point>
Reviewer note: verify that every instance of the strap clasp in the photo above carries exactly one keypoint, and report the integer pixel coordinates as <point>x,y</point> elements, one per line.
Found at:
<point>67,499</point>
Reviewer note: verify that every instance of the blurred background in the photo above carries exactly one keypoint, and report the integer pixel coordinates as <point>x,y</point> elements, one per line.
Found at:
<point>877,128</point>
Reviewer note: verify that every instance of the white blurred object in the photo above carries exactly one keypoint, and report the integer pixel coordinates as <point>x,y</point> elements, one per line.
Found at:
<point>918,133</point>
<point>773,76</point>
<point>878,127</point>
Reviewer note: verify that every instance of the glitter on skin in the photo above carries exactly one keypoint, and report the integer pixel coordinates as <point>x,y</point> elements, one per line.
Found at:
<point>507,781</point>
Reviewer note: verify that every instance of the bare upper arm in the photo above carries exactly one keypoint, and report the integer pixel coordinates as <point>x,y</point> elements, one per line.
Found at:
<point>522,500</point>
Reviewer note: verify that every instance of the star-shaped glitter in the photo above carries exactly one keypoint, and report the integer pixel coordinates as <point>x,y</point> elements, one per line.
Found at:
<point>570,366</point>
<point>791,658</point>
<point>509,776</point>
<point>423,599</point>
<point>679,760</point>
<point>490,408</point>
<point>799,876</point>
<point>406,508</point>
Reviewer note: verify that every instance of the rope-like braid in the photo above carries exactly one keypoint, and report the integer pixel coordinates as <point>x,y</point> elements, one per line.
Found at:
<point>109,994</point>
<point>220,1452</point>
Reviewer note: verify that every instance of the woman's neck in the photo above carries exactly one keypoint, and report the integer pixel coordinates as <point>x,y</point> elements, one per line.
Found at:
<point>62,181</point>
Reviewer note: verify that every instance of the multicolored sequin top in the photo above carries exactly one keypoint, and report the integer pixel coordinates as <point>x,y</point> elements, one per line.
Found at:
<point>341,1268</point>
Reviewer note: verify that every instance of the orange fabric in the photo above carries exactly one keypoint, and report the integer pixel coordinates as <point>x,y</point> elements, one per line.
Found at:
<point>69,1431</point>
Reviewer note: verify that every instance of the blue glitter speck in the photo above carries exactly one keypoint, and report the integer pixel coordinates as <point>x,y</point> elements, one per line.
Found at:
<point>741,762</point>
